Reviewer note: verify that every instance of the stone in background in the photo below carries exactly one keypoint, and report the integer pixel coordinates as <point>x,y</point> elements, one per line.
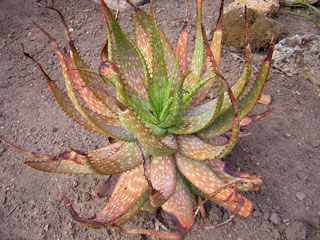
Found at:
<point>259,32</point>
<point>122,3</point>
<point>299,55</point>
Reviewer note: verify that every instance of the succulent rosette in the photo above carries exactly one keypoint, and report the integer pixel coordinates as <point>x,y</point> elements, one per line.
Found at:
<point>169,135</point>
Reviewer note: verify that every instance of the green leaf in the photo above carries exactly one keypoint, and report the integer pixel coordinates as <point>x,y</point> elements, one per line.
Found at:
<point>153,144</point>
<point>212,61</point>
<point>143,42</point>
<point>171,81</point>
<point>196,64</point>
<point>166,110</point>
<point>159,72</point>
<point>91,117</point>
<point>239,86</point>
<point>197,118</point>
<point>176,108</point>
<point>224,123</point>
<point>187,98</point>
<point>144,38</point>
<point>142,108</point>
<point>244,79</point>
<point>131,60</point>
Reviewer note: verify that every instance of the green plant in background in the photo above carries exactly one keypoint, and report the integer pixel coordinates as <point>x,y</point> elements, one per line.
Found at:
<point>169,135</point>
<point>307,6</point>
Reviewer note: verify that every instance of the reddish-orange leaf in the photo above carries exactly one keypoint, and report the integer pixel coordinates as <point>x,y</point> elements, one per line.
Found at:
<point>182,46</point>
<point>93,102</point>
<point>240,180</point>
<point>252,118</point>
<point>204,179</point>
<point>163,178</point>
<point>195,148</point>
<point>129,190</point>
<point>115,158</point>
<point>143,43</point>
<point>180,206</point>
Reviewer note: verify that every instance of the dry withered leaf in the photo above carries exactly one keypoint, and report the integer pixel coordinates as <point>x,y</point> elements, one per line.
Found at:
<point>265,99</point>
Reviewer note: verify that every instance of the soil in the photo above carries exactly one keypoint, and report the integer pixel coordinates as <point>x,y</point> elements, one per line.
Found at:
<point>284,148</point>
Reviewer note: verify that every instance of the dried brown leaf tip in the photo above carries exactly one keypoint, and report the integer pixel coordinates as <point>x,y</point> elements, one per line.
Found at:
<point>169,135</point>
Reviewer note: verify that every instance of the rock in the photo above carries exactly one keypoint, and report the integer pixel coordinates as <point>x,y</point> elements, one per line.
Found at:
<point>301,196</point>
<point>122,3</point>
<point>299,55</point>
<point>266,7</point>
<point>274,218</point>
<point>258,29</point>
<point>296,231</point>
<point>295,2</point>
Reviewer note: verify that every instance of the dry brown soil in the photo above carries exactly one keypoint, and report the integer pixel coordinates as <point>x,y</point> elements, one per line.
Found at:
<point>283,149</point>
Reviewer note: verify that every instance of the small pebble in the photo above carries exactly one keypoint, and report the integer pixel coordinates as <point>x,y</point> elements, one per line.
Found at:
<point>308,202</point>
<point>257,214</point>
<point>302,175</point>
<point>75,183</point>
<point>301,196</point>
<point>296,93</point>
<point>32,203</point>
<point>46,227</point>
<point>275,219</point>
<point>315,143</point>
<point>2,150</point>
<point>86,196</point>
<point>266,216</point>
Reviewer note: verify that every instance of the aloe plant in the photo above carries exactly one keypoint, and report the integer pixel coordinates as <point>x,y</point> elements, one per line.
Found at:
<point>169,135</point>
